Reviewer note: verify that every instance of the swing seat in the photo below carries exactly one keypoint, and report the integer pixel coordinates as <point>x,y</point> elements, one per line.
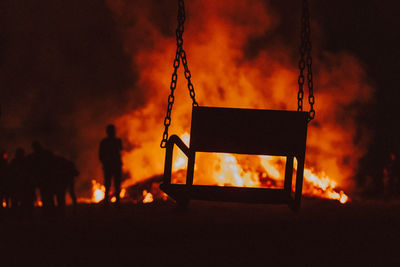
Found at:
<point>241,131</point>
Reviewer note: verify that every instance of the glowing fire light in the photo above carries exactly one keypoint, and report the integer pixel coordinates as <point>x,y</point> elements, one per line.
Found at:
<point>266,162</point>
<point>341,196</point>
<point>256,171</point>
<point>265,80</point>
<point>181,161</point>
<point>98,191</point>
<point>322,186</point>
<point>122,194</point>
<point>147,197</point>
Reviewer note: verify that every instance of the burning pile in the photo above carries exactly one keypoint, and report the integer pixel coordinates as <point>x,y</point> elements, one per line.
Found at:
<point>98,193</point>
<point>251,171</point>
<point>226,74</point>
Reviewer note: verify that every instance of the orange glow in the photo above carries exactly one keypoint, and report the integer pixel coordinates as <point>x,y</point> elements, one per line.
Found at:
<point>122,194</point>
<point>98,194</point>
<point>180,162</point>
<point>39,203</point>
<point>147,197</point>
<point>181,159</point>
<point>323,187</point>
<point>4,204</point>
<point>98,191</point>
<point>258,171</point>
<point>223,74</point>
<point>343,197</point>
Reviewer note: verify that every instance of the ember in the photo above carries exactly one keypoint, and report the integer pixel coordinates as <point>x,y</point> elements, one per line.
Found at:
<point>98,191</point>
<point>147,197</point>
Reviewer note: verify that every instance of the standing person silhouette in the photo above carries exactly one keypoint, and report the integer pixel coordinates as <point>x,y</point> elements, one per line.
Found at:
<point>41,168</point>
<point>110,157</point>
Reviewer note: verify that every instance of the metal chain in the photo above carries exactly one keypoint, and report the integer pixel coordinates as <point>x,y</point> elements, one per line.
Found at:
<point>188,77</point>
<point>306,59</point>
<point>179,55</point>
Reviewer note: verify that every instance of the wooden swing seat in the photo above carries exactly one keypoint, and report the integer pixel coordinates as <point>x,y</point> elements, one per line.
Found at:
<point>241,131</point>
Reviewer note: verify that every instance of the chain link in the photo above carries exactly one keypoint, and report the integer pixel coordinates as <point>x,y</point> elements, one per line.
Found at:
<point>306,61</point>
<point>188,77</point>
<point>179,55</point>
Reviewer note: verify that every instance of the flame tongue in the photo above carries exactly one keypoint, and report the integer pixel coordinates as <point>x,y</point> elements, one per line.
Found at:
<point>147,197</point>
<point>98,191</point>
<point>98,194</point>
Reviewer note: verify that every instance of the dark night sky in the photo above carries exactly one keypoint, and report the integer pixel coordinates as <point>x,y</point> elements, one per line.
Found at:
<point>62,68</point>
<point>62,60</point>
<point>370,31</point>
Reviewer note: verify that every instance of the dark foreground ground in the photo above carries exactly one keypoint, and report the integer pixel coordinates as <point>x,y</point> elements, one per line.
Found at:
<point>209,234</point>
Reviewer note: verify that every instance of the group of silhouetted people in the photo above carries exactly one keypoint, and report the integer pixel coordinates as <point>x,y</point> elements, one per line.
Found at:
<point>43,171</point>
<point>53,176</point>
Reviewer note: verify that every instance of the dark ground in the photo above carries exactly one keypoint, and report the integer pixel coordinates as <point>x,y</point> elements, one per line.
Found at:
<point>209,234</point>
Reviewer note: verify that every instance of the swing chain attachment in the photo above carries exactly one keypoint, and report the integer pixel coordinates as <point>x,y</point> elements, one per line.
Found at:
<point>306,59</point>
<point>179,55</point>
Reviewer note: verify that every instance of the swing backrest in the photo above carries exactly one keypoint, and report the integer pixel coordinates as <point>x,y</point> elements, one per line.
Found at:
<point>248,131</point>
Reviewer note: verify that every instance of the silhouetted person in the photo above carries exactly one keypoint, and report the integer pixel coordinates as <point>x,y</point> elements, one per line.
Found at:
<point>17,178</point>
<point>23,194</point>
<point>64,177</point>
<point>110,157</point>
<point>42,167</point>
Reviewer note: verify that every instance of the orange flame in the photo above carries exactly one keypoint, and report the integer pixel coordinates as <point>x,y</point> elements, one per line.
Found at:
<point>98,192</point>
<point>225,75</point>
<point>147,197</point>
<point>247,171</point>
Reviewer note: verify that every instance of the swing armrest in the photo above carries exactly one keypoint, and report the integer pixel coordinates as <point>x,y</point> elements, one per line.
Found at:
<point>173,140</point>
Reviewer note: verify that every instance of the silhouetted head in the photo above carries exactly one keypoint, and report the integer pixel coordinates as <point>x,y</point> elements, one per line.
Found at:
<point>110,130</point>
<point>19,153</point>
<point>36,146</point>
